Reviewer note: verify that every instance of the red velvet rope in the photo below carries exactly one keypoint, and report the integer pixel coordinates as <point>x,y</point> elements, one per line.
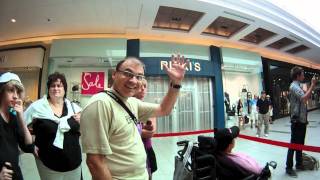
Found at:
<point>251,138</point>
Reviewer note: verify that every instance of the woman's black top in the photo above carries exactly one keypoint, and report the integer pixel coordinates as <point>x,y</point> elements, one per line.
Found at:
<point>62,160</point>
<point>11,136</point>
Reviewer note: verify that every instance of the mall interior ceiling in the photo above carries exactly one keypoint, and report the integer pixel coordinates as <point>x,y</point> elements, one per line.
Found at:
<point>257,26</point>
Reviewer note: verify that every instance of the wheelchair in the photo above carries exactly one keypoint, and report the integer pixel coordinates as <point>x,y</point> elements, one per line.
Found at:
<point>207,164</point>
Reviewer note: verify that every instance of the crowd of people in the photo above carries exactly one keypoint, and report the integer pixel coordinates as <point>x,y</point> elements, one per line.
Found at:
<point>116,126</point>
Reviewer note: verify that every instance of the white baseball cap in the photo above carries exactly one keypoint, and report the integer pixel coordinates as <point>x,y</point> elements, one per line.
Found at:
<point>8,76</point>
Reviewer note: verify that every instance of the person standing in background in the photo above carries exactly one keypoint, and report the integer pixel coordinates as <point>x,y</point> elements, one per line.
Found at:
<point>56,125</point>
<point>254,113</point>
<point>270,109</point>
<point>263,106</point>
<point>298,109</point>
<point>147,131</point>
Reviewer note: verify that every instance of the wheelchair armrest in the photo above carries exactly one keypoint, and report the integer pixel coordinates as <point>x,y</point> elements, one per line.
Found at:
<point>183,143</point>
<point>273,164</point>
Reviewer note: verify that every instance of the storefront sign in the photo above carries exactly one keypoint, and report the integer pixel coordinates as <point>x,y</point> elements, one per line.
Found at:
<point>92,82</point>
<point>3,59</point>
<point>155,66</point>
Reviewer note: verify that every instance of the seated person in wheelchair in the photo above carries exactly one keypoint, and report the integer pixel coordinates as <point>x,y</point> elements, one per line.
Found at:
<point>234,165</point>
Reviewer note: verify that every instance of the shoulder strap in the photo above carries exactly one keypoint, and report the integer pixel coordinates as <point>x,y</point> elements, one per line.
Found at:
<point>116,98</point>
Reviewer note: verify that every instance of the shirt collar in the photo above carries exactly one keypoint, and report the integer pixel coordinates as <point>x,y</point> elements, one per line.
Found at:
<point>296,82</point>
<point>117,94</point>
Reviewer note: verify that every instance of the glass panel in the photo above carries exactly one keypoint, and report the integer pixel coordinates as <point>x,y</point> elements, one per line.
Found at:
<point>280,79</point>
<point>193,111</point>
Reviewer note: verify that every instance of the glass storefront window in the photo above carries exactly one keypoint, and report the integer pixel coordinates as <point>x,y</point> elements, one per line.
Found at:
<point>193,110</point>
<point>75,56</point>
<point>280,79</point>
<point>242,81</point>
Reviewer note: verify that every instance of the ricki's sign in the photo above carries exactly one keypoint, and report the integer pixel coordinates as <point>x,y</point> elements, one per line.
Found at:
<point>92,82</point>
<point>155,66</point>
<point>191,66</point>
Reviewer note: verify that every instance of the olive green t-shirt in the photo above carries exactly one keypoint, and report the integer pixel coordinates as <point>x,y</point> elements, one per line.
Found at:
<point>106,128</point>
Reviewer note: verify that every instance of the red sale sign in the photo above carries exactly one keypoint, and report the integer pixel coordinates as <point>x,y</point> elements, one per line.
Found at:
<point>92,82</point>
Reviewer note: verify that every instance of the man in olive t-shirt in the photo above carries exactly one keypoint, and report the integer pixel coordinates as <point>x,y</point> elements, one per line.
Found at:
<point>109,136</point>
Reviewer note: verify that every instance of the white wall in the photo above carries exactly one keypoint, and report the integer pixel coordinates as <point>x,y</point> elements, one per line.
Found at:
<point>31,57</point>
<point>233,83</point>
<point>165,49</point>
<point>30,81</point>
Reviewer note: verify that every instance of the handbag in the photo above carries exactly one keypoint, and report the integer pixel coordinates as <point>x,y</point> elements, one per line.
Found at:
<point>182,166</point>
<point>152,160</point>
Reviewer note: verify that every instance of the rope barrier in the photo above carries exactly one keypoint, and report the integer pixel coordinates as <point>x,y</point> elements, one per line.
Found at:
<point>251,138</point>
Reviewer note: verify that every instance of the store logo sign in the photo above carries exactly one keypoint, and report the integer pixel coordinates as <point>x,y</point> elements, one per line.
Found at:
<point>3,59</point>
<point>195,67</point>
<point>92,82</point>
<point>191,66</point>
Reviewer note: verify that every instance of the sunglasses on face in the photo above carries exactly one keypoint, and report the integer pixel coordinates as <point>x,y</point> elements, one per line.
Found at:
<point>130,75</point>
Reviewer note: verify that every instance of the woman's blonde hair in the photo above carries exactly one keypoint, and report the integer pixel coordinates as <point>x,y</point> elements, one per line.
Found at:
<point>144,82</point>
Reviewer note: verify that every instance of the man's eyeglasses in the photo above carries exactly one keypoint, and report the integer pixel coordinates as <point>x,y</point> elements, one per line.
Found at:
<point>130,75</point>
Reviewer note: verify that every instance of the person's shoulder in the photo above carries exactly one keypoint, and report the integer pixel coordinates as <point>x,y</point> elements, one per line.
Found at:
<point>99,97</point>
<point>294,85</point>
<point>134,99</point>
<point>37,103</point>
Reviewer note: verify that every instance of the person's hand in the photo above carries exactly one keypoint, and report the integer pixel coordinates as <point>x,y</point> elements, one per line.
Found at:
<point>36,152</point>
<point>147,130</point>
<point>6,174</point>
<point>148,126</point>
<point>18,106</point>
<point>77,117</point>
<point>145,133</point>
<point>177,70</point>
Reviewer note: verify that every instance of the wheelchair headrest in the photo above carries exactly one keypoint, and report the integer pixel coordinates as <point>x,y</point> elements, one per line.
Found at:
<point>207,143</point>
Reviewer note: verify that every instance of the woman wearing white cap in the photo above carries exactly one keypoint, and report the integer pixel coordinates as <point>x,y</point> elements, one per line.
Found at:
<point>13,130</point>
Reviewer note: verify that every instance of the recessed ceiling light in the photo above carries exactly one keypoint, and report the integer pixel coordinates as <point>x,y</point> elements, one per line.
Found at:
<point>13,20</point>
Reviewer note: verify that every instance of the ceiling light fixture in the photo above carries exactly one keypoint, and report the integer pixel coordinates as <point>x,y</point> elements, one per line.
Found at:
<point>13,20</point>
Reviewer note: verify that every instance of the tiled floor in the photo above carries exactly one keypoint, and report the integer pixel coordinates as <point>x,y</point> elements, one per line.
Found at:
<point>166,149</point>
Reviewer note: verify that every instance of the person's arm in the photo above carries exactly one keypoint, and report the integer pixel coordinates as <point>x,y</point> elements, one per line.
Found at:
<point>176,75</point>
<point>5,173</point>
<point>95,126</point>
<point>98,167</point>
<point>22,125</point>
<point>74,122</point>
<point>307,95</point>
